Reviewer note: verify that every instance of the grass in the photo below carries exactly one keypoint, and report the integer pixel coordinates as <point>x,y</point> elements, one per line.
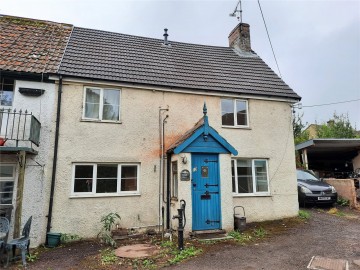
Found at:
<point>108,256</point>
<point>185,254</point>
<point>303,214</point>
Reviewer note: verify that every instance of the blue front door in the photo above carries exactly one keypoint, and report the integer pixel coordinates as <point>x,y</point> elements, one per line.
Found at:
<point>205,192</point>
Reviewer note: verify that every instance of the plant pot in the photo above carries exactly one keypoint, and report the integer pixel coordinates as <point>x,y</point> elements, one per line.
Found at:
<point>2,141</point>
<point>53,239</point>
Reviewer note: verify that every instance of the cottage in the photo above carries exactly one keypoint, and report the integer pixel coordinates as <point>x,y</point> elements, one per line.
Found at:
<point>30,50</point>
<point>144,123</point>
<point>131,140</point>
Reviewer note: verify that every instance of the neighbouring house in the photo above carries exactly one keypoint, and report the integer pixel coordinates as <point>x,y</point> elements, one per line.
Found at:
<point>337,161</point>
<point>30,50</point>
<point>144,123</point>
<point>136,139</point>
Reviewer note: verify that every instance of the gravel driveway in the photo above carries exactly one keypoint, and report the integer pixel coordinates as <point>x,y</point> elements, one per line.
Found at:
<point>330,236</point>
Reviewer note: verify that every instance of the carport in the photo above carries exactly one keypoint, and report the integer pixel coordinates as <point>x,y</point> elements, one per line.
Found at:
<point>331,158</point>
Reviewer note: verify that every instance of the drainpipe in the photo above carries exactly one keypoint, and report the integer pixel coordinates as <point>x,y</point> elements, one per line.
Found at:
<point>161,178</point>
<point>168,176</point>
<point>51,201</point>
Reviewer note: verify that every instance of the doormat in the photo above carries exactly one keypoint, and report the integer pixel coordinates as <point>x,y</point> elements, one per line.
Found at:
<point>322,263</point>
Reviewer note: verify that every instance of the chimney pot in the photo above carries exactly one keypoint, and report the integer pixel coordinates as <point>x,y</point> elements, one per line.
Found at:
<point>239,37</point>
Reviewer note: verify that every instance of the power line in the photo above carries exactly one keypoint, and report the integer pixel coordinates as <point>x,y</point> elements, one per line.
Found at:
<point>325,104</point>
<point>269,39</point>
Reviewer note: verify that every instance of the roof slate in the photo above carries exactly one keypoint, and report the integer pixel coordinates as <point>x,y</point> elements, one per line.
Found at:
<point>34,46</point>
<point>118,57</point>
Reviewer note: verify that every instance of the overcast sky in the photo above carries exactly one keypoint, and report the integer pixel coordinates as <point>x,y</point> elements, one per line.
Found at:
<point>317,43</point>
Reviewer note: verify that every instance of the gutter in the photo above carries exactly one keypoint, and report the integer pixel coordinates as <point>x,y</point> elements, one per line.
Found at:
<point>56,143</point>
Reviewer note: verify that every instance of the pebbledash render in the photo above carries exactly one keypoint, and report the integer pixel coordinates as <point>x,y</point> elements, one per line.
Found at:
<point>146,123</point>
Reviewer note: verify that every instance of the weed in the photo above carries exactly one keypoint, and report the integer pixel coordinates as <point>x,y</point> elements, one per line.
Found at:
<point>304,214</point>
<point>167,244</point>
<point>108,256</point>
<point>240,237</point>
<point>260,232</point>
<point>66,237</point>
<point>343,202</point>
<point>340,214</point>
<point>149,264</point>
<point>184,254</point>
<point>32,257</point>
<point>108,222</point>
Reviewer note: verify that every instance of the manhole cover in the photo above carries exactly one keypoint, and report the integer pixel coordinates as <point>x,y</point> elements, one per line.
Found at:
<point>136,251</point>
<point>321,263</point>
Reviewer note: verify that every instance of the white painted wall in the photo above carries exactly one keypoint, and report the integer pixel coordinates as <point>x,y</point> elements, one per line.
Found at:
<point>136,139</point>
<point>37,178</point>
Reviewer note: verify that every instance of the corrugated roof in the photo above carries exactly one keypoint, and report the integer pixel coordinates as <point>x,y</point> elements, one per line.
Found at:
<point>28,45</point>
<point>118,57</point>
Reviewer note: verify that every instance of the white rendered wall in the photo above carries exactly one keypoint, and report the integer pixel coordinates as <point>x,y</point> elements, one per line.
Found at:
<point>37,178</point>
<point>136,139</point>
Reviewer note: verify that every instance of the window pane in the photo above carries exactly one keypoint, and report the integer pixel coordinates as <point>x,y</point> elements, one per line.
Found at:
<point>174,189</point>
<point>241,113</point>
<point>84,171</point>
<point>261,176</point>
<point>128,178</point>
<point>92,103</point>
<point>233,176</point>
<point>111,105</point>
<point>227,112</point>
<point>83,178</point>
<point>6,171</point>
<point>6,91</point>
<point>107,171</point>
<point>106,185</point>
<point>83,185</point>
<point>245,183</point>
<point>6,192</point>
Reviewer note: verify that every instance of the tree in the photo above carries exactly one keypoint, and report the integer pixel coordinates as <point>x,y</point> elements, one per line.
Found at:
<point>298,126</point>
<point>338,127</point>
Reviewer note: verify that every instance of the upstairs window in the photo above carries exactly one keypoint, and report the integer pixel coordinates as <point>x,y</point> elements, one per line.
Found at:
<point>234,112</point>
<point>6,91</point>
<point>250,176</point>
<point>102,104</point>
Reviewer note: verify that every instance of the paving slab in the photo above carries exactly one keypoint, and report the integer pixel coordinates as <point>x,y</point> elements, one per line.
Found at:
<point>136,251</point>
<point>322,263</point>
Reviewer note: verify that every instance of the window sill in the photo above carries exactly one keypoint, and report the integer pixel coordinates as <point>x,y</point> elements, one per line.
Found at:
<point>105,195</point>
<point>175,199</point>
<point>101,121</point>
<point>251,195</point>
<point>237,127</point>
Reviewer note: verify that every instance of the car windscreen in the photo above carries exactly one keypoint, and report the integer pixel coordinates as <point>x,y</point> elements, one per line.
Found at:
<point>303,175</point>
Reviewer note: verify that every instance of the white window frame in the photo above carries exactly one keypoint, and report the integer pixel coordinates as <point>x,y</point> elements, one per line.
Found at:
<point>8,179</point>
<point>101,105</point>
<point>94,179</point>
<point>175,182</point>
<point>235,114</point>
<point>254,193</point>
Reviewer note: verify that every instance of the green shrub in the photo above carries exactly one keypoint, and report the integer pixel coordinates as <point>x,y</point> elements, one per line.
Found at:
<point>343,202</point>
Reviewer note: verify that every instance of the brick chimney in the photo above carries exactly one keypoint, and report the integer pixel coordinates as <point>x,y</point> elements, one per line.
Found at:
<point>239,37</point>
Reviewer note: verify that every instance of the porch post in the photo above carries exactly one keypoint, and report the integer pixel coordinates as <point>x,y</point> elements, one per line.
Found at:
<point>19,193</point>
<point>305,159</point>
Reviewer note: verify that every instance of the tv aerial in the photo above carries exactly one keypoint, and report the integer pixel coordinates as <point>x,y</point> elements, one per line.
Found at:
<point>237,12</point>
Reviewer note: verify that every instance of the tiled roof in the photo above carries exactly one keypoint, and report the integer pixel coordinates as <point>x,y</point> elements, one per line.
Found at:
<point>124,58</point>
<point>28,45</point>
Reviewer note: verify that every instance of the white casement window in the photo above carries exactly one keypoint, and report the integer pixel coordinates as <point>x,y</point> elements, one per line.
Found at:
<point>174,179</point>
<point>105,179</point>
<point>102,104</point>
<point>234,113</point>
<point>7,180</point>
<point>250,176</point>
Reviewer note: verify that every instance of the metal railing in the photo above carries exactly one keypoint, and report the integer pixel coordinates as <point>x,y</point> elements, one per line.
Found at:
<point>19,126</point>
